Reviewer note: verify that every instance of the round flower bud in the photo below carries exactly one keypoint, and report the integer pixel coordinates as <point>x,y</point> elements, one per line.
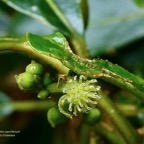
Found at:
<point>43,94</point>
<point>35,68</point>
<point>92,117</point>
<point>25,81</point>
<point>55,117</point>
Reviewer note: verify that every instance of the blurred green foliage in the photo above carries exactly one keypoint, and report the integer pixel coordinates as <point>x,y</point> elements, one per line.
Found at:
<point>115,32</point>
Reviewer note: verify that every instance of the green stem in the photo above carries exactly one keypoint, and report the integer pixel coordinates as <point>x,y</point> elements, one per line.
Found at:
<point>32,105</point>
<point>121,122</point>
<point>111,135</point>
<point>129,109</point>
<point>20,45</point>
<point>84,134</point>
<point>54,88</point>
<point>80,46</point>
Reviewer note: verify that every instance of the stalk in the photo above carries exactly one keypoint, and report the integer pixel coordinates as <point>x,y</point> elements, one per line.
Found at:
<point>21,45</point>
<point>24,106</point>
<point>123,125</point>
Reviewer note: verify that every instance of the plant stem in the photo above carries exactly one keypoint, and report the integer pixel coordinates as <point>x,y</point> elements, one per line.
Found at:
<point>32,105</point>
<point>129,109</point>
<point>80,46</point>
<point>84,134</point>
<point>121,122</point>
<point>53,88</point>
<point>112,135</point>
<point>20,45</point>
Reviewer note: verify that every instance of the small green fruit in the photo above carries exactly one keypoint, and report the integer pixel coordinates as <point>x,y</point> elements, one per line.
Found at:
<point>92,117</point>
<point>43,94</point>
<point>47,80</point>
<point>25,81</point>
<point>55,117</point>
<point>35,68</point>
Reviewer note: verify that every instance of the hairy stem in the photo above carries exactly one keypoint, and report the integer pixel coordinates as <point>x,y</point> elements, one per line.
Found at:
<point>20,45</point>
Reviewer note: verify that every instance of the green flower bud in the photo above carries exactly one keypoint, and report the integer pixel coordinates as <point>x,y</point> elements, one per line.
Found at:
<point>25,81</point>
<point>47,80</point>
<point>92,117</point>
<point>38,80</point>
<point>29,82</point>
<point>43,94</point>
<point>55,117</point>
<point>35,68</point>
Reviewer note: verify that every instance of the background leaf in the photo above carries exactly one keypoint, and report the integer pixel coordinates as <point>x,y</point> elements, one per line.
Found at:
<point>66,15</point>
<point>27,7</point>
<point>139,2</point>
<point>20,24</point>
<point>4,24</point>
<point>5,107</point>
<point>113,24</point>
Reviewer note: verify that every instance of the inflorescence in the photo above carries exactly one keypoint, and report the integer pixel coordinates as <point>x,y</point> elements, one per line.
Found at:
<point>80,96</point>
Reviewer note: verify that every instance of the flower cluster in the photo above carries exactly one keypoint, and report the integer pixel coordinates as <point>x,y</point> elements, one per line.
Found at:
<point>80,95</point>
<point>31,79</point>
<point>34,79</point>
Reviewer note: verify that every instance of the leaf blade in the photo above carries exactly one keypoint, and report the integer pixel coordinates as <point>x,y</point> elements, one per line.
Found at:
<point>111,26</point>
<point>27,7</point>
<point>65,15</point>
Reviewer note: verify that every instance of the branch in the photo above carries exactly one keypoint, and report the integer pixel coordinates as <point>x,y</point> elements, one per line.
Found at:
<point>21,45</point>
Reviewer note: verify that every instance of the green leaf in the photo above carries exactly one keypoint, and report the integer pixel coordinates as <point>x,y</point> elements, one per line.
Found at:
<point>4,24</point>
<point>54,44</point>
<point>28,7</point>
<point>20,24</point>
<point>113,24</point>
<point>139,2</point>
<point>66,15</point>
